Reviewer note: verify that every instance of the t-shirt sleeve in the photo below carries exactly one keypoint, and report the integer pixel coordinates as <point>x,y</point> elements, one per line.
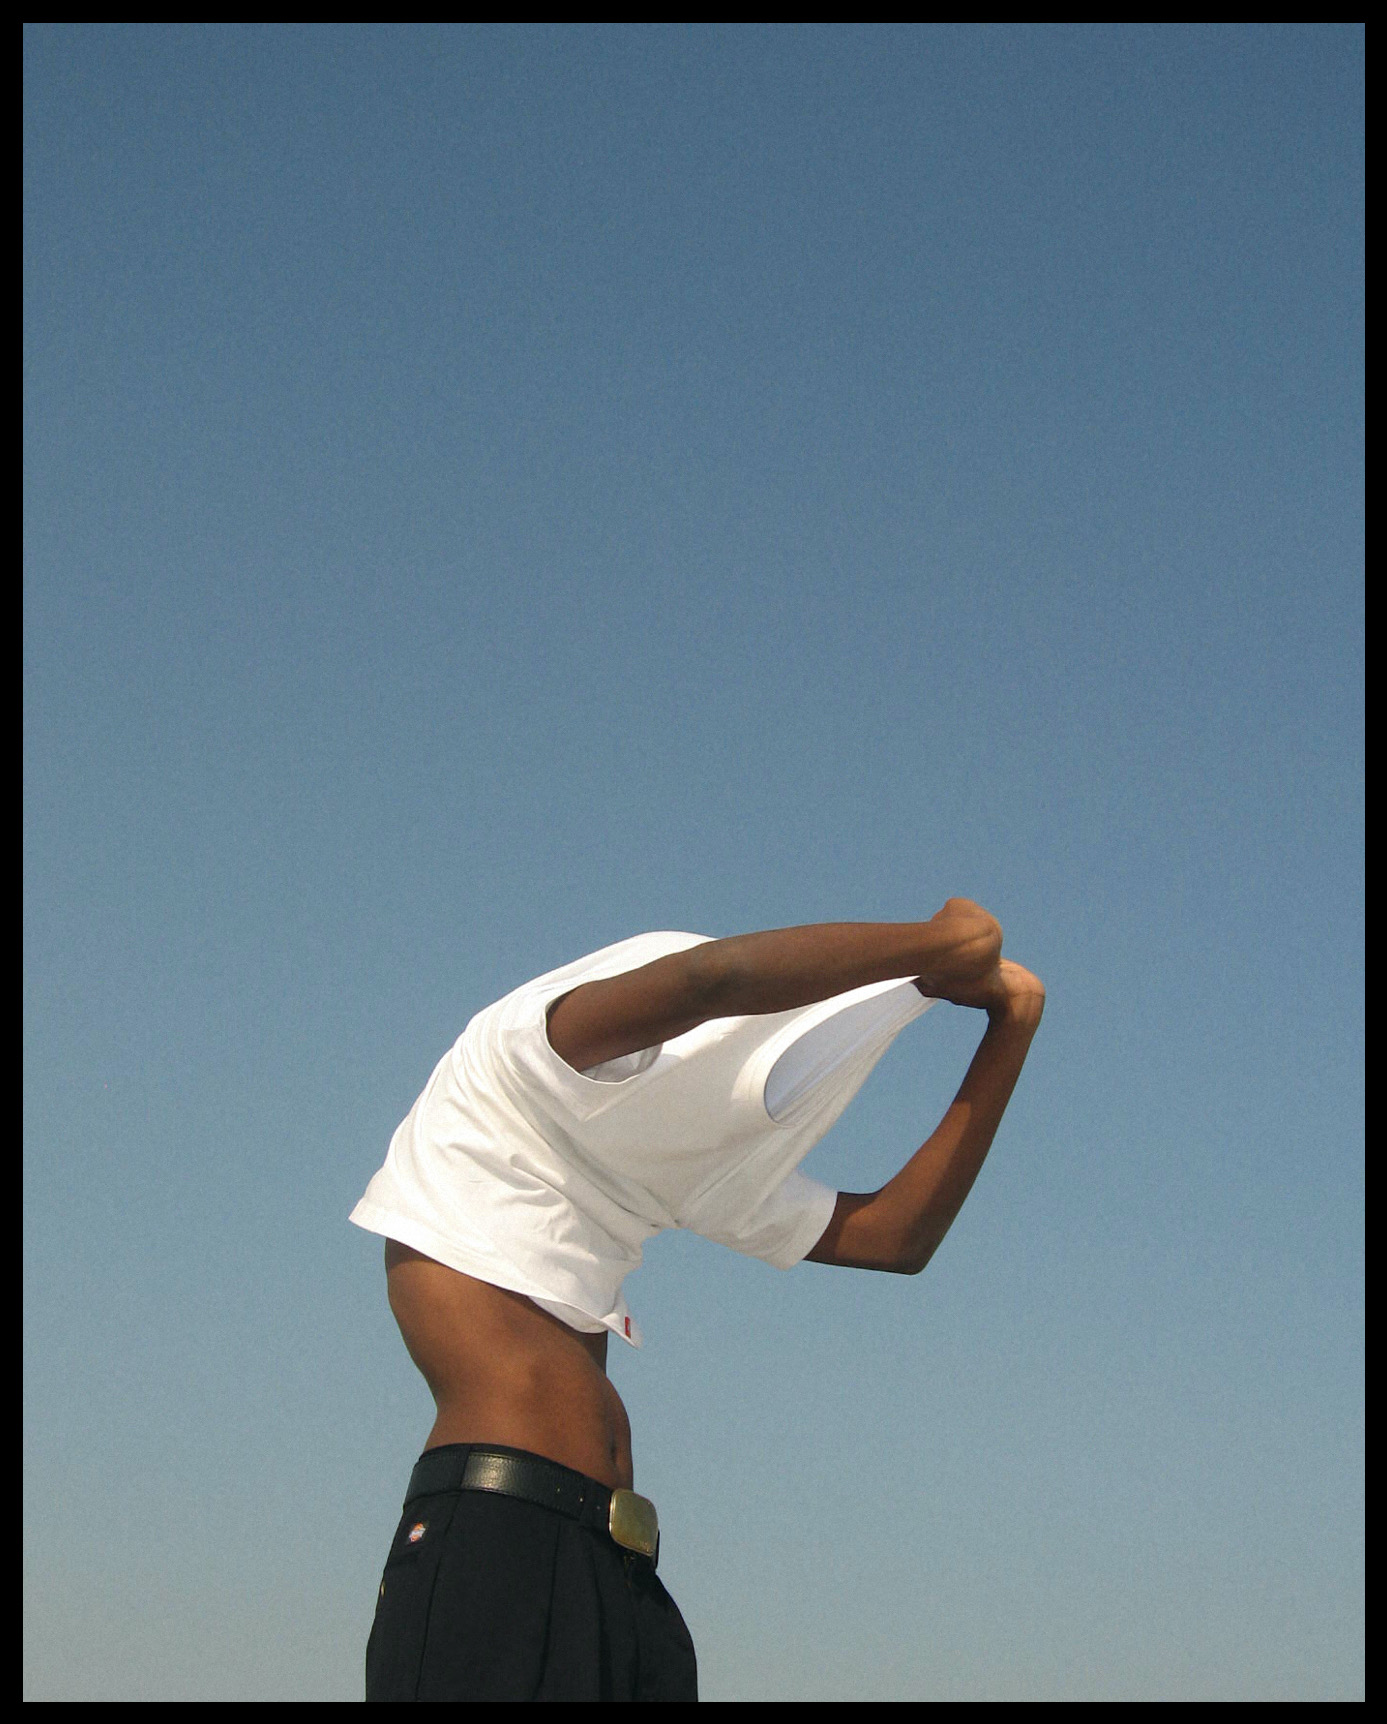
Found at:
<point>781,1229</point>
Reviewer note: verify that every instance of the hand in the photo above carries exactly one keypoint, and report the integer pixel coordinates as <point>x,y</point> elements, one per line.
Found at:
<point>1022,995</point>
<point>1008,990</point>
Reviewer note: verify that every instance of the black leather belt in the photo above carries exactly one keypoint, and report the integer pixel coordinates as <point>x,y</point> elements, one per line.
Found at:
<point>629,1519</point>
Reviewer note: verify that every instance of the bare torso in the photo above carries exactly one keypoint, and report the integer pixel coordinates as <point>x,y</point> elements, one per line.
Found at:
<point>502,1371</point>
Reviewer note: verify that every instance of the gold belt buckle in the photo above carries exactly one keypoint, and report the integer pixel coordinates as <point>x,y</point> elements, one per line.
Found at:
<point>632,1522</point>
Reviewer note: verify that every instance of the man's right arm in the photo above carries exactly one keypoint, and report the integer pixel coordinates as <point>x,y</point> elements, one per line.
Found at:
<point>901,1226</point>
<point>950,956</point>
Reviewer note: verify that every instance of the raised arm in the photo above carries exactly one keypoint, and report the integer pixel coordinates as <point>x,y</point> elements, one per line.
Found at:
<point>957,949</point>
<point>750,974</point>
<point>600,1021</point>
<point>900,1227</point>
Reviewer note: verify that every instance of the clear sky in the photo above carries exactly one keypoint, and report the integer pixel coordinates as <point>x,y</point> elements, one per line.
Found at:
<point>494,490</point>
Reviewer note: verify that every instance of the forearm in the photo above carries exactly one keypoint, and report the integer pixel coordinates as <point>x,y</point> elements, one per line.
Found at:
<point>925,1196</point>
<point>783,968</point>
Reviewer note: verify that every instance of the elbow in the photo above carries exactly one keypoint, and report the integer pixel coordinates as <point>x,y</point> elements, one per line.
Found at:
<point>915,1260</point>
<point>912,1247</point>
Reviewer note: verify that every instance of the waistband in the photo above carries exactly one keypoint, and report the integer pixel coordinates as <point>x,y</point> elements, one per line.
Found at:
<point>630,1520</point>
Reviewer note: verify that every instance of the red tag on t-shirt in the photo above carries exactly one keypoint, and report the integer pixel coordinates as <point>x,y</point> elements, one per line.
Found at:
<point>628,1328</point>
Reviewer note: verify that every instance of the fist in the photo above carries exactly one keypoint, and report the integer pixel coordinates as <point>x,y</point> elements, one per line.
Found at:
<point>1020,991</point>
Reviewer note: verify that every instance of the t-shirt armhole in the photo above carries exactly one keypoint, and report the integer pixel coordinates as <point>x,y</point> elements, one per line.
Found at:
<point>521,1041</point>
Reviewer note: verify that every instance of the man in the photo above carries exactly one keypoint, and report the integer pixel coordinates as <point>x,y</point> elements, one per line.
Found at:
<point>670,1080</point>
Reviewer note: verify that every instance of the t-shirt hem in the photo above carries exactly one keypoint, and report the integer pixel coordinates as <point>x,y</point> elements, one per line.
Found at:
<point>497,1272</point>
<point>911,1004</point>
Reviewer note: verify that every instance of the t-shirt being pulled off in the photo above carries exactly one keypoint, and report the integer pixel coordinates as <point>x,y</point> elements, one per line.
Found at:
<point>516,1169</point>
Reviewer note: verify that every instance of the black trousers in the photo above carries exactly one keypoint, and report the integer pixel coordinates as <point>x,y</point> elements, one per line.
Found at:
<point>500,1599</point>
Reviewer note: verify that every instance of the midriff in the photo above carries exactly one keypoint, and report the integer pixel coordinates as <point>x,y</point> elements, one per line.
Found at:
<point>502,1371</point>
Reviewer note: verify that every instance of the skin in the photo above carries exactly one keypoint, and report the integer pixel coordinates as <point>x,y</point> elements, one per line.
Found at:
<point>502,1371</point>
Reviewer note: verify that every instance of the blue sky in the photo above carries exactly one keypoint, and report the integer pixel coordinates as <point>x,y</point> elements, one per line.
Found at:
<point>493,490</point>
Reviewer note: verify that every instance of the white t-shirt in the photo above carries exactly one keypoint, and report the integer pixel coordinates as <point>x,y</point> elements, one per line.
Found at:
<point>516,1169</point>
